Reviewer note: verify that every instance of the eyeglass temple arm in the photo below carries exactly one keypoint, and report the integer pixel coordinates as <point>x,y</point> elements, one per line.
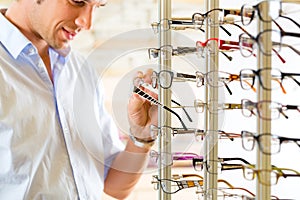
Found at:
<point>244,189</point>
<point>227,56</point>
<point>184,110</point>
<point>179,118</point>
<point>227,87</point>
<point>184,50</point>
<point>286,17</point>
<point>151,99</point>
<point>229,166</point>
<point>226,182</point>
<point>235,158</point>
<point>225,30</point>
<point>227,135</point>
<point>281,86</point>
<point>281,112</point>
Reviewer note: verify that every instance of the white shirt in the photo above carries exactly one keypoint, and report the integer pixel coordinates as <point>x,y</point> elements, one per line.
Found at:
<point>56,140</point>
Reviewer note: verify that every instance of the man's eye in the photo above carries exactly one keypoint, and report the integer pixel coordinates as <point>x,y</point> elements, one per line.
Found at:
<point>78,2</point>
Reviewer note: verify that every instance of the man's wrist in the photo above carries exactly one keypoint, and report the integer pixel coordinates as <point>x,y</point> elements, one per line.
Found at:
<point>142,143</point>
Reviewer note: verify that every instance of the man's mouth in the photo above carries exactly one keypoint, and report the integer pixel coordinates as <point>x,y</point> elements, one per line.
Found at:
<point>69,34</point>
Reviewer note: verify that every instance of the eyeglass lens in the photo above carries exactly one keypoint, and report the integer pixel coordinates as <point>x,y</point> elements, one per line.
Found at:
<point>249,138</point>
<point>164,78</point>
<point>247,78</point>
<point>267,110</point>
<point>248,11</point>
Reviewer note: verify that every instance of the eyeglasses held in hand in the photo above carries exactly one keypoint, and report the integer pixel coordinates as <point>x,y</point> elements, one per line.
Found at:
<point>149,98</point>
<point>273,109</point>
<point>249,138</point>
<point>140,83</point>
<point>277,77</point>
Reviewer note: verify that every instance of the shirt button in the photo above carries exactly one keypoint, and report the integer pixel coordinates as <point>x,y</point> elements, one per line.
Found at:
<point>31,50</point>
<point>40,65</point>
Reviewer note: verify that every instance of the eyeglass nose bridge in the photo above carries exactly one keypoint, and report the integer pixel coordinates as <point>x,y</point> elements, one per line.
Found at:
<point>199,79</point>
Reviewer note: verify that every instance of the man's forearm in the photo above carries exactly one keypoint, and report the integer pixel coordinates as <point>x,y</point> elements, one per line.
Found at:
<point>126,170</point>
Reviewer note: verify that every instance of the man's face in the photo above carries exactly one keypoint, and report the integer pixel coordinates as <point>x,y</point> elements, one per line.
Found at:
<point>58,21</point>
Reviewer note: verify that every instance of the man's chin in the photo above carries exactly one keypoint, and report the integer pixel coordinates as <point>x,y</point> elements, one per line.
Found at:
<point>63,48</point>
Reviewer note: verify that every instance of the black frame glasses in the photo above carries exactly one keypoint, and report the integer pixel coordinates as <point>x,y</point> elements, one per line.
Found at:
<point>140,83</point>
<point>164,78</point>
<point>248,76</point>
<point>249,138</point>
<point>199,18</point>
<point>248,11</point>
<point>152,100</point>
<point>275,109</point>
<point>198,163</point>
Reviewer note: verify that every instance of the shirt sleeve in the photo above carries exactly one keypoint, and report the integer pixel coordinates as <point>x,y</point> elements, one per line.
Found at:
<point>111,138</point>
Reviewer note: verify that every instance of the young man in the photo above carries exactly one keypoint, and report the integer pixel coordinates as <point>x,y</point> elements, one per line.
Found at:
<point>56,139</point>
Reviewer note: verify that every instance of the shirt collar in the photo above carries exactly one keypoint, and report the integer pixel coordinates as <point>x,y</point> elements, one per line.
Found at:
<point>14,41</point>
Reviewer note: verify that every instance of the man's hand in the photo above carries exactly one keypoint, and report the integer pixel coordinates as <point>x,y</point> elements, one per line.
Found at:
<point>141,112</point>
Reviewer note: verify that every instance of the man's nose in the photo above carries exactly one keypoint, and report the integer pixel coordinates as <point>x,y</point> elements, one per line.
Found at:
<point>84,19</point>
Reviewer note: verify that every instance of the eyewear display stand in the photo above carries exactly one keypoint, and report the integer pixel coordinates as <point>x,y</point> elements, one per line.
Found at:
<point>263,161</point>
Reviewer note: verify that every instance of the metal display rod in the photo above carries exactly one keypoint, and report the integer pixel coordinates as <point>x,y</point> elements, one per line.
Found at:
<point>212,96</point>
<point>263,161</point>
<point>164,95</point>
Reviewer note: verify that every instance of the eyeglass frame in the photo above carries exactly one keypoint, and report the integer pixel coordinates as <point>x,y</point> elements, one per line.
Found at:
<point>275,170</point>
<point>195,131</point>
<point>183,184</point>
<point>174,51</point>
<point>257,41</point>
<point>140,83</point>
<point>220,160</point>
<point>151,99</point>
<point>257,8</point>
<point>257,137</point>
<point>199,78</point>
<point>175,156</point>
<point>255,105</point>
<point>257,73</point>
